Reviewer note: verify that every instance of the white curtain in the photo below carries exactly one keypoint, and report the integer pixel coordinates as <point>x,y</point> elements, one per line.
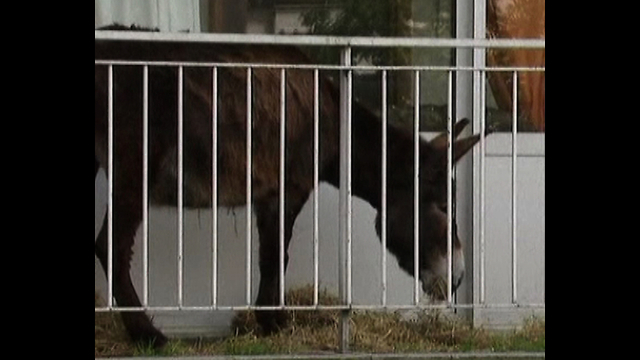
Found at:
<point>166,15</point>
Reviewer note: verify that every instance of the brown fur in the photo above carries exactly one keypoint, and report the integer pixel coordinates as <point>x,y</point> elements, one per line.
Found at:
<point>231,160</point>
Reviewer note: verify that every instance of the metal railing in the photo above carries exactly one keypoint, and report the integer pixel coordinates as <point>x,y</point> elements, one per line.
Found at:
<point>346,89</point>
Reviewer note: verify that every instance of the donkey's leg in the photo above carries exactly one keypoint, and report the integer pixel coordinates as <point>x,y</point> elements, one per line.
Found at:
<point>267,215</point>
<point>127,218</point>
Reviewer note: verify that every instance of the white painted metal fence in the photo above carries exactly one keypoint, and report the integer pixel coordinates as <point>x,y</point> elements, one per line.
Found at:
<point>346,254</point>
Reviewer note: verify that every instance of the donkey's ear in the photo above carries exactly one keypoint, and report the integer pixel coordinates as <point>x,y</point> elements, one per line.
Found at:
<point>462,146</point>
<point>440,141</point>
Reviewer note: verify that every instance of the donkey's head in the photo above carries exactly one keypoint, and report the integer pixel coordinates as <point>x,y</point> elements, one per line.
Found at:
<point>432,216</point>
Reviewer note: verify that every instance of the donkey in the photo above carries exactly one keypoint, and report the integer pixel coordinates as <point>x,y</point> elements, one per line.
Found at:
<point>231,160</point>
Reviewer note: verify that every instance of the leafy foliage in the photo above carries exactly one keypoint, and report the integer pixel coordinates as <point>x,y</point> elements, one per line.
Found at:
<point>360,18</point>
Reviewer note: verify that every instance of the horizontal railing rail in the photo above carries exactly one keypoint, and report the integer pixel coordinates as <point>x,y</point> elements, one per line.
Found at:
<point>318,40</point>
<point>320,66</point>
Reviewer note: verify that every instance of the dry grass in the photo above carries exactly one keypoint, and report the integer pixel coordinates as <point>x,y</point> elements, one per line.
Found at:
<point>111,339</point>
<point>317,331</point>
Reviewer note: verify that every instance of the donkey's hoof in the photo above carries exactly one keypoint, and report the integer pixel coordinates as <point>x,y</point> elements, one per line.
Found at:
<point>272,322</point>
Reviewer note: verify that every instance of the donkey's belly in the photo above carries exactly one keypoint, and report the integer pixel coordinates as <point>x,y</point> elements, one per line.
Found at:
<point>197,192</point>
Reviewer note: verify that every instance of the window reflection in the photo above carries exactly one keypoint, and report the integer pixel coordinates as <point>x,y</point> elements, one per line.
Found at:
<point>404,18</point>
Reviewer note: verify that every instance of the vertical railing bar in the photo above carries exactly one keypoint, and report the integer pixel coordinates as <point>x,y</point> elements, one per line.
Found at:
<point>110,180</point>
<point>383,224</point>
<point>416,190</point>
<point>449,185</point>
<point>345,196</point>
<point>514,158</point>
<point>482,95</point>
<point>349,187</point>
<point>282,181</point>
<point>180,183</point>
<point>145,185</point>
<point>249,175</point>
<point>316,175</point>
<point>214,189</point>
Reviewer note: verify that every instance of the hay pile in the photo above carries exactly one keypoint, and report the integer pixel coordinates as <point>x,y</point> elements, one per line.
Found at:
<point>375,331</point>
<point>316,331</point>
<point>110,336</point>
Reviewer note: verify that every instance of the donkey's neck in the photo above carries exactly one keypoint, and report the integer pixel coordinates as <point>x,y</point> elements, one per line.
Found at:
<point>366,174</point>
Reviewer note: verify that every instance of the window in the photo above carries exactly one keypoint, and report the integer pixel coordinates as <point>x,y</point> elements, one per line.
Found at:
<point>166,15</point>
<point>405,18</point>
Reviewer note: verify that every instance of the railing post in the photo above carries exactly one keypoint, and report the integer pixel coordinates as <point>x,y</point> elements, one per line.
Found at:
<point>344,253</point>
<point>479,124</point>
<point>463,89</point>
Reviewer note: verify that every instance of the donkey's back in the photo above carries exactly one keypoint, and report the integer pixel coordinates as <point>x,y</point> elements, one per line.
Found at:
<point>197,109</point>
